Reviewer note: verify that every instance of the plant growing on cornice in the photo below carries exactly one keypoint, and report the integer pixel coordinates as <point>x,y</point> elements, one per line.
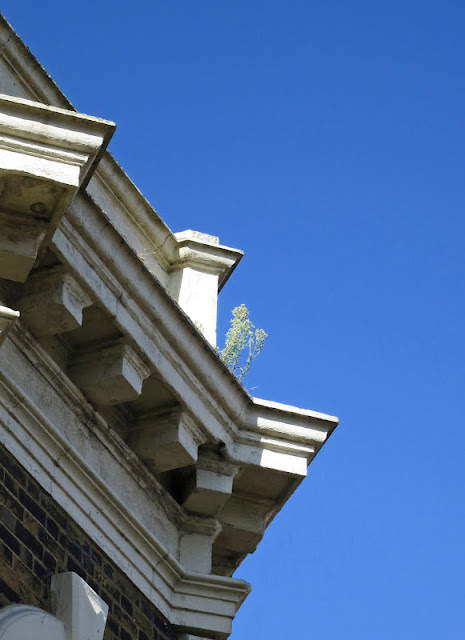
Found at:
<point>243,343</point>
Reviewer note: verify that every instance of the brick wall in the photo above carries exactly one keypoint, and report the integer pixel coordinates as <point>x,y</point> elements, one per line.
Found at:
<point>38,539</point>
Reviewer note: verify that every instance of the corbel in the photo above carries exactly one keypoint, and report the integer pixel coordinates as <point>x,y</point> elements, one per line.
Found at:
<point>110,374</point>
<point>166,440</point>
<point>53,302</point>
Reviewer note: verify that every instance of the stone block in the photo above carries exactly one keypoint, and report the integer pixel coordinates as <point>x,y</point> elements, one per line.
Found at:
<point>200,270</point>
<point>195,543</point>
<point>19,247</point>
<point>209,486</point>
<point>82,611</point>
<point>243,522</point>
<point>166,441</point>
<point>53,302</point>
<point>110,375</point>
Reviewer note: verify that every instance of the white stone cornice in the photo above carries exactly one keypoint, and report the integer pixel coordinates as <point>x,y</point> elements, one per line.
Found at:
<point>143,280</point>
<point>64,138</point>
<point>200,268</point>
<point>52,143</point>
<point>136,220</point>
<point>203,252</point>
<point>253,432</point>
<point>299,425</point>
<point>145,233</point>
<point>197,601</point>
<point>287,437</point>
<point>46,155</point>
<point>148,314</point>
<point>115,508</point>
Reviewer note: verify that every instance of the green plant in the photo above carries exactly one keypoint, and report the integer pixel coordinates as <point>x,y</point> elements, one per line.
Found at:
<point>242,344</point>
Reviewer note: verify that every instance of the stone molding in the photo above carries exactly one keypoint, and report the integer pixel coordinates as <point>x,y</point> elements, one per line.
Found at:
<point>252,431</point>
<point>198,274</point>
<point>112,507</point>
<point>204,252</point>
<point>116,251</point>
<point>46,155</point>
<point>110,188</point>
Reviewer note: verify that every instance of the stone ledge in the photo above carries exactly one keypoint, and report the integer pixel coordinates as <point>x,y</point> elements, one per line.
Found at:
<point>111,505</point>
<point>46,155</point>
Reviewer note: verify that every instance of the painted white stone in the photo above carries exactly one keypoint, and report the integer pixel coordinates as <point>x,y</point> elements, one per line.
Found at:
<point>192,372</point>
<point>111,374</point>
<point>46,155</point>
<point>195,552</point>
<point>201,269</point>
<point>195,543</point>
<point>209,487</point>
<point>138,273</point>
<point>166,440</point>
<point>244,522</point>
<point>82,463</point>
<point>82,611</point>
<point>21,622</point>
<point>80,614</point>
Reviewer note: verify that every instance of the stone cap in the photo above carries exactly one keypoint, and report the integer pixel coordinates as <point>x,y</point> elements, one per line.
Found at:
<point>204,252</point>
<point>67,129</point>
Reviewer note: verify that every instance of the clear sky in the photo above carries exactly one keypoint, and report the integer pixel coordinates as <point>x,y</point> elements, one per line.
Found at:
<point>326,139</point>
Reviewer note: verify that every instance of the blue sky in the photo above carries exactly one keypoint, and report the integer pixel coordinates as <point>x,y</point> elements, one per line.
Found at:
<point>326,140</point>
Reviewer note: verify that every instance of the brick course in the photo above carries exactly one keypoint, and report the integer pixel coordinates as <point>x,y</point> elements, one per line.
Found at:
<point>39,539</point>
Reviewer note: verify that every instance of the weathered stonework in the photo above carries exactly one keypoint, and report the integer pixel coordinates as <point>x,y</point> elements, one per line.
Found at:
<point>131,455</point>
<point>46,155</point>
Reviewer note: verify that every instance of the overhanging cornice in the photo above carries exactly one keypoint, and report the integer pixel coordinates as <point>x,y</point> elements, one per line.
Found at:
<point>111,188</point>
<point>46,155</point>
<point>218,402</point>
<point>234,459</point>
<point>106,491</point>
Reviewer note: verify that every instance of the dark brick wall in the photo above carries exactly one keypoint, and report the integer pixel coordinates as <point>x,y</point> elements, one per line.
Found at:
<point>38,539</point>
